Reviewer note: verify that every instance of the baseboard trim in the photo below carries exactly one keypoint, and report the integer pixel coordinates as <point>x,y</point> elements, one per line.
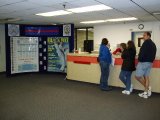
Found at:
<point>2,72</point>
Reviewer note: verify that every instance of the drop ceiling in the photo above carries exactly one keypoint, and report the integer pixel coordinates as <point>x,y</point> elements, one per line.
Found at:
<point>26,10</point>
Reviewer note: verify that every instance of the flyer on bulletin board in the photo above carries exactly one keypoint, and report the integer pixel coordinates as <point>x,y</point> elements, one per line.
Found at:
<point>24,54</point>
<point>58,47</point>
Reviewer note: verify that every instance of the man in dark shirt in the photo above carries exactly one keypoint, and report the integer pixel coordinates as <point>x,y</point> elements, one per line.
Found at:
<point>145,59</point>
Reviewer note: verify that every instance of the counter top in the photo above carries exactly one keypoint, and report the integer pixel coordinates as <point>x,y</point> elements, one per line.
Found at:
<point>96,55</point>
<point>83,54</point>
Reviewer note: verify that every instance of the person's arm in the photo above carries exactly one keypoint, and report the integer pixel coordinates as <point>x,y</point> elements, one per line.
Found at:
<point>114,52</point>
<point>124,54</point>
<point>117,51</point>
<point>108,56</point>
<point>104,52</point>
<point>100,51</point>
<point>132,54</point>
<point>142,52</point>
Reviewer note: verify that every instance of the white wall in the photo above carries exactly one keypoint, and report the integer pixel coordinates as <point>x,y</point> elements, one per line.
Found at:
<point>2,48</point>
<point>118,33</point>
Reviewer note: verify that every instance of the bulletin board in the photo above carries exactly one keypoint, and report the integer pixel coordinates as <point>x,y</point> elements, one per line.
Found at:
<point>24,54</point>
<point>37,48</point>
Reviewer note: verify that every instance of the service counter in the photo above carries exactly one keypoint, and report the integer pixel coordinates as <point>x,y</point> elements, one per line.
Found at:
<point>85,68</point>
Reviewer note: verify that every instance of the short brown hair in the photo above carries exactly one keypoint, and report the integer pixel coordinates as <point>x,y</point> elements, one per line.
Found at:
<point>148,34</point>
<point>104,41</point>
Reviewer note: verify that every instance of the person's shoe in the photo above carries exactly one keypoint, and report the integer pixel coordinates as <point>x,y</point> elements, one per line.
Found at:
<point>143,95</point>
<point>106,89</point>
<point>149,91</point>
<point>131,89</point>
<point>126,92</point>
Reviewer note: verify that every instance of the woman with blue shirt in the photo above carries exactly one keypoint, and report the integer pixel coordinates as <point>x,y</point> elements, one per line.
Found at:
<point>105,60</point>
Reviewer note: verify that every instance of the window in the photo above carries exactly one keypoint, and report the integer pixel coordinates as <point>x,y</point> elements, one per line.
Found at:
<point>82,34</point>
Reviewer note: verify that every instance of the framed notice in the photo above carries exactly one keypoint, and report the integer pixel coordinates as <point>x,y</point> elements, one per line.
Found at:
<point>140,41</point>
<point>67,30</point>
<point>24,54</point>
<point>13,30</point>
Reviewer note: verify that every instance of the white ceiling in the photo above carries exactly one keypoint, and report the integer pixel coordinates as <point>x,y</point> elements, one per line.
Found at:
<point>26,10</point>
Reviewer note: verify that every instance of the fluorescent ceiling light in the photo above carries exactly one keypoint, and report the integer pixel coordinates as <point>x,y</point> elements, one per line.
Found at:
<point>121,19</point>
<point>82,29</point>
<point>54,13</point>
<point>89,29</point>
<point>75,10</point>
<point>90,8</point>
<point>156,13</point>
<point>90,22</point>
<point>110,20</point>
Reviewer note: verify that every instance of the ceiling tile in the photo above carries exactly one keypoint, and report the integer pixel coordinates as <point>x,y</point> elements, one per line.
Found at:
<point>49,2</point>
<point>150,5</point>
<point>26,10</point>
<point>82,3</point>
<point>10,2</point>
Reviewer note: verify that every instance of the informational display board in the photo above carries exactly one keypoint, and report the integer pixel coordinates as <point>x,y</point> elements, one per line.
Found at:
<point>24,54</point>
<point>37,48</point>
<point>58,47</point>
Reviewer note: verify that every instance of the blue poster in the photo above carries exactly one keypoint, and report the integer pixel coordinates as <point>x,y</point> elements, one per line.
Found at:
<point>58,47</point>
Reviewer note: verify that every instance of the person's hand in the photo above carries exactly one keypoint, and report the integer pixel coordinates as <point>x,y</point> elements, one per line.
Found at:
<point>118,53</point>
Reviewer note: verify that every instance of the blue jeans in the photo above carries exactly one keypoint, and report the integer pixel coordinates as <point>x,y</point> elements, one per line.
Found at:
<point>125,77</point>
<point>104,74</point>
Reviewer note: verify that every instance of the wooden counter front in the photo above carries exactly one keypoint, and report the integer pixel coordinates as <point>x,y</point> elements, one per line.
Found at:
<point>85,68</point>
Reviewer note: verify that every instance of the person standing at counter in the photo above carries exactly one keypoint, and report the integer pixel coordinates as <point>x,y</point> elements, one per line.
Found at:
<point>128,65</point>
<point>145,59</point>
<point>104,59</point>
<point>118,50</point>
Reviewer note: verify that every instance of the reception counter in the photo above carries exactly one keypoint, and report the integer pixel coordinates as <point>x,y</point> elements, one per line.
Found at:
<point>84,67</point>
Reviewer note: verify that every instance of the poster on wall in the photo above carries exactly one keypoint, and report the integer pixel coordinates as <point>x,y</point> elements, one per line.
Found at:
<point>67,30</point>
<point>58,47</point>
<point>13,30</point>
<point>24,54</point>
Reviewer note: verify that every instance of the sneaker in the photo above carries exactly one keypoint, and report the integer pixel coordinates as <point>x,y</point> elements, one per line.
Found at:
<point>106,89</point>
<point>140,94</point>
<point>143,95</point>
<point>149,91</point>
<point>131,89</point>
<point>126,92</point>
